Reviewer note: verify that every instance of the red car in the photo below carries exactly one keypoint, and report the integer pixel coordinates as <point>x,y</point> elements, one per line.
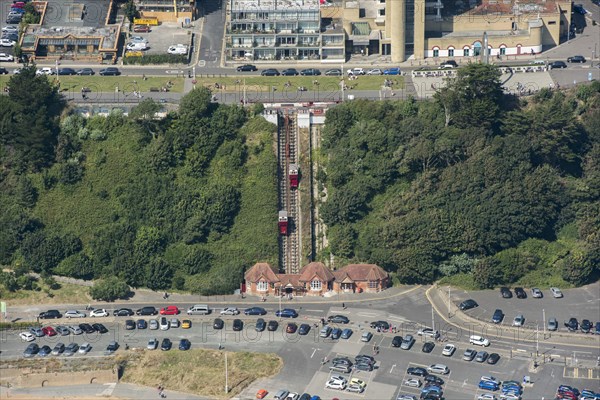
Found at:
<point>169,310</point>
<point>141,28</point>
<point>49,331</point>
<point>261,394</point>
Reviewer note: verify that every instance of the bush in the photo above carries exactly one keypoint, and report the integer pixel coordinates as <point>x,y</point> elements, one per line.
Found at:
<point>156,59</point>
<point>110,289</point>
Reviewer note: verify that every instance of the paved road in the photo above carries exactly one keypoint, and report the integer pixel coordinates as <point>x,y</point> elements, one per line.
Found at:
<point>212,35</point>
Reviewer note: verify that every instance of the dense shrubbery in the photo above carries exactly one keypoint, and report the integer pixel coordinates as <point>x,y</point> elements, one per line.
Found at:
<point>473,183</point>
<point>148,59</point>
<point>187,202</point>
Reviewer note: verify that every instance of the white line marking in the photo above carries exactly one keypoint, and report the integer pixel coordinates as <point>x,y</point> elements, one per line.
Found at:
<point>314,310</point>
<point>364,314</point>
<point>313,353</point>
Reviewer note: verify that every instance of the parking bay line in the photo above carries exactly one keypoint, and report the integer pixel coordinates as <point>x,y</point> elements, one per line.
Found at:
<point>314,310</point>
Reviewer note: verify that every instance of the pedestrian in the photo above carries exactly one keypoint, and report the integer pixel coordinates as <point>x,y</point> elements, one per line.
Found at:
<point>343,306</point>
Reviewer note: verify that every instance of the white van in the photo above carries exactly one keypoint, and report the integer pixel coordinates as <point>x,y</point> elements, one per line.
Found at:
<point>137,46</point>
<point>199,309</point>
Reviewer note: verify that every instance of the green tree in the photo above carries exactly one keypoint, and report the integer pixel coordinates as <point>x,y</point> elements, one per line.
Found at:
<point>110,289</point>
<point>131,11</point>
<point>342,240</point>
<point>27,193</point>
<point>580,267</point>
<point>197,260</point>
<point>158,274</point>
<point>488,273</point>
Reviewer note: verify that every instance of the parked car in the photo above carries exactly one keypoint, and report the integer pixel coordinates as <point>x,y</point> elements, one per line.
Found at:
<point>179,49</point>
<point>166,344</point>
<point>10,28</point>
<point>519,320</point>
<point>558,64</point>
<point>31,350</point>
<point>186,324</point>
<point>123,312</point>
<point>99,312</point>
<point>27,336</point>
<point>86,347</point>
<point>336,333</point>
<point>481,356</point>
<point>488,385</point>
<point>382,325</point>
<point>412,382</point>
<point>246,68</point>
<point>238,325</point>
<point>433,380</point>
<point>375,71</point>
<point>291,328</point>
<point>110,71</point>
<point>174,323</point>
<point>392,71</point>
<point>270,72</point>
<point>255,311</point>
<point>74,314</point>
<point>87,328</point>
<point>281,394</point>
<point>63,330</point>
<point>152,344</point>
<point>407,342</point>
<point>428,347</point>
<point>71,71</point>
<point>6,57</point>
<point>586,326</point>
<point>346,333</point>
<point>141,324</point>
<point>272,326</point>
<point>556,292</point>
<point>7,43</point>
<point>469,354</point>
<point>75,330</point>
<point>498,316</point>
<point>325,331</point>
<point>141,28</point>
<point>536,293</point>
<point>552,324</point>
<point>417,371</point>
<point>366,337</point>
<point>520,293</point>
<point>153,324</point>
<point>304,329</point>
<point>448,64</point>
<point>468,304</point>
<point>333,72</point>
<point>493,358</point>
<point>3,71</point>
<point>58,349</point>
<point>438,369</point>
<point>310,72</point>
<point>71,349</point>
<point>129,324</point>
<point>572,324</point>
<point>218,323</point>
<point>289,72</point>
<point>505,293</point>
<point>230,311</point>
<point>99,328</point>
<point>184,344</point>
<point>260,325</point>
<point>448,350</point>
<point>396,341</point>
<point>338,319</point>
<point>37,331</point>
<point>85,71</point>
<point>286,313</point>
<point>356,71</point>
<point>164,324</point>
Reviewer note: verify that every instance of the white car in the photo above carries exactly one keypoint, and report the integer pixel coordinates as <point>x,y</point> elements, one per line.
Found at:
<point>137,39</point>
<point>164,324</point>
<point>375,71</point>
<point>510,396</point>
<point>335,384</point>
<point>7,43</point>
<point>356,71</point>
<point>6,57</point>
<point>10,28</point>
<point>438,369</point>
<point>406,397</point>
<point>490,379</point>
<point>74,313</point>
<point>137,46</point>
<point>479,340</point>
<point>292,396</point>
<point>556,292</point>
<point>519,320</point>
<point>178,49</point>
<point>413,382</point>
<point>85,348</point>
<point>448,350</point>
<point>27,336</point>
<point>486,396</point>
<point>230,311</point>
<point>428,332</point>
<point>46,71</point>
<point>537,293</point>
<point>100,312</point>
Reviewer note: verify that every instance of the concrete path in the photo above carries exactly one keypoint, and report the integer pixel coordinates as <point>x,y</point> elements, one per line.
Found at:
<point>93,391</point>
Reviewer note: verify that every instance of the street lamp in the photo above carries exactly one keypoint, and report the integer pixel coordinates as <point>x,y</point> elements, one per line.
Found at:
<point>280,302</point>
<point>226,375</point>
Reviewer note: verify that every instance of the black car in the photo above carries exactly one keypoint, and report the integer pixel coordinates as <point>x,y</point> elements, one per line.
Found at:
<point>381,325</point>
<point>397,341</point>
<point>123,312</point>
<point>112,347</point>
<point>85,71</point>
<point>129,324</point>
<point>333,72</point>
<point>433,380</point>
<point>147,311</point>
<point>50,314</point>
<point>166,344</point>
<point>363,366</point>
<point>255,311</point>
<point>558,64</point>
<point>572,324</point>
<point>289,72</point>
<point>520,293</point>
<point>66,71</point>
<point>31,350</point>
<point>99,328</point>
<point>505,293</point>
<point>3,71</point>
<point>260,325</point>
<point>218,324</point>
<point>338,319</point>
<point>586,326</point>
<point>142,324</point>
<point>270,72</point>
<point>310,72</point>
<point>498,316</point>
<point>272,326</point>
<point>110,71</point>
<point>246,68</point>
<point>238,325</point>
<point>87,328</point>
<point>493,358</point>
<point>291,328</point>
<point>342,361</point>
<point>417,371</point>
<point>363,358</point>
<point>428,347</point>
<point>44,351</point>
<point>184,344</point>
<point>576,59</point>
<point>468,304</point>
<point>304,329</point>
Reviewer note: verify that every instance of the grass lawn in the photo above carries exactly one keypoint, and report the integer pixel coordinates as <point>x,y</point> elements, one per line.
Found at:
<point>108,83</point>
<point>325,83</point>
<point>66,294</point>
<point>201,371</point>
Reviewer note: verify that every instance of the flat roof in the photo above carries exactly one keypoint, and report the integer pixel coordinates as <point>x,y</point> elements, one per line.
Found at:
<point>81,35</point>
<point>274,4</point>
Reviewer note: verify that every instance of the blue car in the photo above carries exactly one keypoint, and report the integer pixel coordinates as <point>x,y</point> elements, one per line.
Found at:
<point>336,333</point>
<point>255,311</point>
<point>392,71</point>
<point>286,313</point>
<point>487,385</point>
<point>431,389</point>
<point>597,328</point>
<point>346,333</point>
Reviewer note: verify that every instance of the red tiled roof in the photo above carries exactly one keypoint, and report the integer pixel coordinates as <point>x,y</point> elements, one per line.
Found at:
<point>309,271</point>
<point>261,270</point>
<point>289,280</point>
<point>361,272</point>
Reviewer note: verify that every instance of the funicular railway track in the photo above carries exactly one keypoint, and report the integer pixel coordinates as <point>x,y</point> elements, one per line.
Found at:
<point>289,243</point>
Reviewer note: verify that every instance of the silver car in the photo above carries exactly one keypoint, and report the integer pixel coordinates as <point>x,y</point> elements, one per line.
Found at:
<point>75,330</point>
<point>469,355</point>
<point>519,320</point>
<point>153,324</point>
<point>152,344</point>
<point>74,314</point>
<point>407,342</point>
<point>552,324</point>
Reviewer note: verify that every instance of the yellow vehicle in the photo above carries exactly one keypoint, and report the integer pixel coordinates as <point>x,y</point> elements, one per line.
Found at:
<point>186,324</point>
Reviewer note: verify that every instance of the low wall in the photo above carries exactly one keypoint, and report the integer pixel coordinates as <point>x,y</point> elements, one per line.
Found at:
<point>24,377</point>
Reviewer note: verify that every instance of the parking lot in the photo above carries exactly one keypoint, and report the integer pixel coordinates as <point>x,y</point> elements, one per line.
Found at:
<point>164,35</point>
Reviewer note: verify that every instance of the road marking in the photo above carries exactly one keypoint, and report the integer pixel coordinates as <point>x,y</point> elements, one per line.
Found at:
<point>313,353</point>
<point>174,71</point>
<point>391,369</point>
<point>314,310</point>
<point>364,314</point>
